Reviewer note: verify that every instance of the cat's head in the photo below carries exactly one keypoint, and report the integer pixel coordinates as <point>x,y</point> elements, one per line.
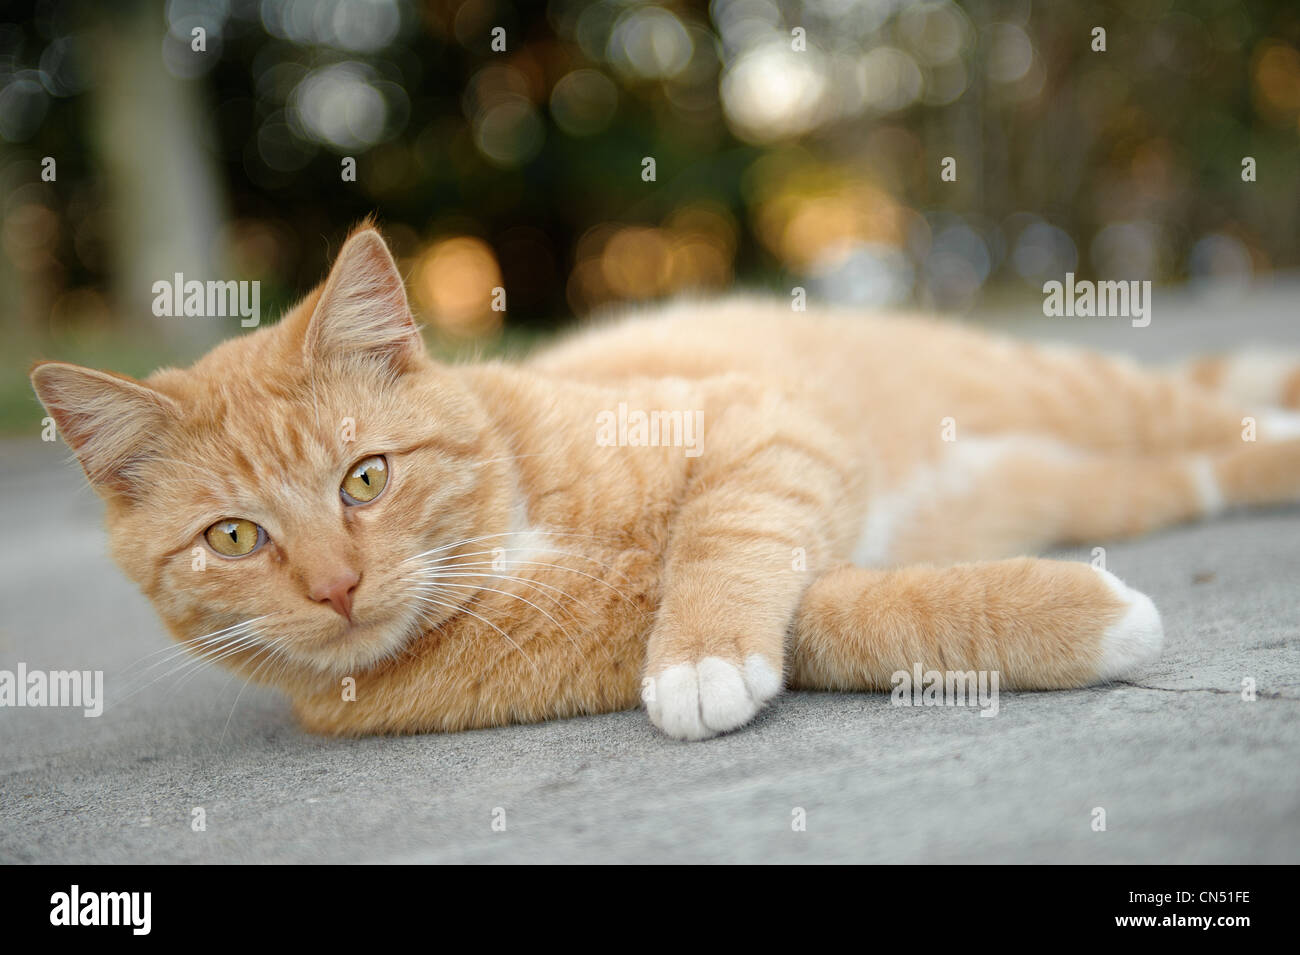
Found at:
<point>281,489</point>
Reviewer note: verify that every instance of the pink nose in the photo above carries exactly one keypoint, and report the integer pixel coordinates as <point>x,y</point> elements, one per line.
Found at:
<point>336,591</point>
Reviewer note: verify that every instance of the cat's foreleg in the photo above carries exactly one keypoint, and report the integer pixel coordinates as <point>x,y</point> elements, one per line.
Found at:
<point>750,535</point>
<point>1038,624</point>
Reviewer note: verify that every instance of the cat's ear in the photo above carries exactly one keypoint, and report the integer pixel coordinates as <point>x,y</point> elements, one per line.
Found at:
<point>111,422</point>
<point>362,311</point>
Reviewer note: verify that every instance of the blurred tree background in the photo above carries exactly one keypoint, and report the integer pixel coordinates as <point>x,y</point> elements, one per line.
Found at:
<point>794,143</point>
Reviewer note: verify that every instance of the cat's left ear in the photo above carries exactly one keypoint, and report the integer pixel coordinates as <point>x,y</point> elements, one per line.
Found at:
<point>362,311</point>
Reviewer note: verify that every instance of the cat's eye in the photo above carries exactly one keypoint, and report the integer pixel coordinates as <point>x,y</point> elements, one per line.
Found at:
<point>365,480</point>
<point>234,537</point>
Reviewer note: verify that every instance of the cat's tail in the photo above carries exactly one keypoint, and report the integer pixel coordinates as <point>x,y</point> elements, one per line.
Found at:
<point>1038,624</point>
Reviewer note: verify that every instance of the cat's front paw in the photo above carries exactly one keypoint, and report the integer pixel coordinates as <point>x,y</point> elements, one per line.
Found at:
<point>699,700</point>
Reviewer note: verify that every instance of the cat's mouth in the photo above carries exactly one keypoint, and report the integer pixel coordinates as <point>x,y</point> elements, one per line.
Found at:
<point>351,645</point>
<point>342,646</point>
<point>360,628</point>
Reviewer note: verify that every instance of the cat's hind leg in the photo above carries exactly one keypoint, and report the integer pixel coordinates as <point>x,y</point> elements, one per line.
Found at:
<point>1038,624</point>
<point>1253,378</point>
<point>1012,496</point>
<point>1102,402</point>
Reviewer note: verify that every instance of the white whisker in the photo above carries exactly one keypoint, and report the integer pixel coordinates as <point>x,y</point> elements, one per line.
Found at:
<point>459,609</point>
<point>182,646</point>
<point>533,563</point>
<point>216,656</point>
<point>274,649</point>
<point>475,540</point>
<point>478,588</point>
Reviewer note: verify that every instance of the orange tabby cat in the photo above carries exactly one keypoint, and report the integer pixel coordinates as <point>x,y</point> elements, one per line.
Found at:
<point>693,508</point>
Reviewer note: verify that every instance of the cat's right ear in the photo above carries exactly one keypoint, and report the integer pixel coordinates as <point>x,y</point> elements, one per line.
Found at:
<point>111,422</point>
<point>362,312</point>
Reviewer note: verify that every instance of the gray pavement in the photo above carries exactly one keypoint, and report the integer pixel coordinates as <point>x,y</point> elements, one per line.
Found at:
<point>1186,770</point>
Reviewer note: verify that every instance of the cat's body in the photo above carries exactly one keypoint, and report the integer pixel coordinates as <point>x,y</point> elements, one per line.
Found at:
<point>517,565</point>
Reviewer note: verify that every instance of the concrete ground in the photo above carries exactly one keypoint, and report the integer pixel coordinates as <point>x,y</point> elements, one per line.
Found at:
<point>1185,769</point>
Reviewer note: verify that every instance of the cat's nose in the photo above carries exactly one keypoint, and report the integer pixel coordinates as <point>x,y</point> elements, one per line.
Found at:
<point>336,590</point>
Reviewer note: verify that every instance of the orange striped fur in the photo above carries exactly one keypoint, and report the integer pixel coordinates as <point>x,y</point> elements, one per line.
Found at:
<point>517,567</point>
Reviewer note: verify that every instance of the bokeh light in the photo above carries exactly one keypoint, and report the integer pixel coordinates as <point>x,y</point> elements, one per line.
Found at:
<point>793,142</point>
<point>453,284</point>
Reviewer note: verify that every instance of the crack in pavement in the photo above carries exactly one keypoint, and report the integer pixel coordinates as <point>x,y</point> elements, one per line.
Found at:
<point>1259,694</point>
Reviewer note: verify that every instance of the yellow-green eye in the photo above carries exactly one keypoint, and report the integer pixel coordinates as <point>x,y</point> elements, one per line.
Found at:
<point>234,537</point>
<point>365,480</point>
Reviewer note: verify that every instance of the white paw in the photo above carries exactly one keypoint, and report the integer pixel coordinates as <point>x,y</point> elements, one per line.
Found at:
<point>699,700</point>
<point>1135,639</point>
